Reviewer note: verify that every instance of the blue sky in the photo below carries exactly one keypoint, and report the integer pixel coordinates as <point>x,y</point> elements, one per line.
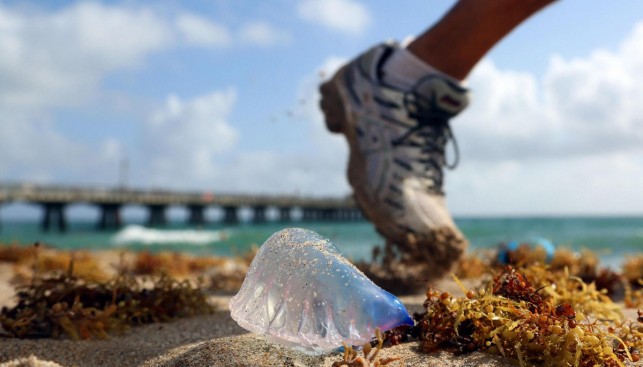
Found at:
<point>221,95</point>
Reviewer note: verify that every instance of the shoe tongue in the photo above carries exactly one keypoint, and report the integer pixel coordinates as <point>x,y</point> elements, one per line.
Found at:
<point>442,94</point>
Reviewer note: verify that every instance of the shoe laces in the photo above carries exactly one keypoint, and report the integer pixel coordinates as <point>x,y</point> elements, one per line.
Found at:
<point>431,135</point>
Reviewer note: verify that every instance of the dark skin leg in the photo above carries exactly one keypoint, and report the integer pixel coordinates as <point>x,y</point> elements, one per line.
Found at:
<point>469,30</point>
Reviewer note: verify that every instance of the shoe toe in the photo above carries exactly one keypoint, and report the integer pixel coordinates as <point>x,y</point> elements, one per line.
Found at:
<point>425,211</point>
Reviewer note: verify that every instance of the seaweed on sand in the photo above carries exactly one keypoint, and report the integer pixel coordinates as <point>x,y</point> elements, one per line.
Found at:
<point>351,359</point>
<point>82,309</point>
<point>634,296</point>
<point>633,269</point>
<point>172,263</point>
<point>220,274</point>
<point>403,267</point>
<point>633,274</point>
<point>14,253</point>
<point>41,258</point>
<point>513,317</point>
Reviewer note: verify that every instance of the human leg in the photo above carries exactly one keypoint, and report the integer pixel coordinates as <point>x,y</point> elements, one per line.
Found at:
<point>456,43</point>
<point>398,133</point>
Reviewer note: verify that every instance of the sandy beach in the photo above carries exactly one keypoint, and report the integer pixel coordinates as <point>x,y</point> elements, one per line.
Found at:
<point>209,340</point>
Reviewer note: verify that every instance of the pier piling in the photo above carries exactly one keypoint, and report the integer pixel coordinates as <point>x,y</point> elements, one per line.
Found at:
<point>54,214</point>
<point>157,216</point>
<point>197,215</point>
<point>110,216</point>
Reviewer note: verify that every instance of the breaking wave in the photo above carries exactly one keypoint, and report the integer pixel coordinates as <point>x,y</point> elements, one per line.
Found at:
<point>135,234</point>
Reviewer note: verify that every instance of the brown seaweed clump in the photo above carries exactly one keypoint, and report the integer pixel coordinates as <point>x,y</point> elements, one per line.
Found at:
<point>404,267</point>
<point>583,265</point>
<point>81,309</point>
<point>633,269</point>
<point>172,263</point>
<point>14,253</point>
<point>40,258</point>
<point>513,318</point>
<point>472,266</point>
<point>633,274</point>
<point>220,274</point>
<point>634,296</point>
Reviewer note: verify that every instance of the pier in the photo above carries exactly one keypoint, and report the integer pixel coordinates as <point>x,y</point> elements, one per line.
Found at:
<point>55,199</point>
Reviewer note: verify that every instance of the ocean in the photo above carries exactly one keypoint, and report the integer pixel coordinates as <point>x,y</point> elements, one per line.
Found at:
<point>612,238</point>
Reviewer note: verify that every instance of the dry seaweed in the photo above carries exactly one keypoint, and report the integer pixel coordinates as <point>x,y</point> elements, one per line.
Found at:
<point>472,266</point>
<point>512,316</point>
<point>583,265</point>
<point>221,274</point>
<point>523,255</point>
<point>218,274</point>
<point>38,259</point>
<point>351,359</point>
<point>15,253</point>
<point>633,270</point>
<point>403,267</point>
<point>633,281</point>
<point>634,297</point>
<point>81,309</point>
<point>172,263</point>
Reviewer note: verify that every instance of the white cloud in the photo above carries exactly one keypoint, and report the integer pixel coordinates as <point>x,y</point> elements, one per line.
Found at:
<point>584,106</point>
<point>322,171</point>
<point>269,172</point>
<point>183,139</point>
<point>347,16</point>
<point>317,169</point>
<point>585,185</point>
<point>199,31</point>
<point>262,34</point>
<point>37,151</point>
<point>571,142</point>
<point>59,59</point>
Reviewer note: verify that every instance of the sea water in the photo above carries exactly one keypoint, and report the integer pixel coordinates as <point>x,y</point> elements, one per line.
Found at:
<point>612,238</point>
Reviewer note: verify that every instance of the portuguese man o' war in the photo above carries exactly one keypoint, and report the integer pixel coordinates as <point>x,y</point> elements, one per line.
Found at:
<point>301,292</point>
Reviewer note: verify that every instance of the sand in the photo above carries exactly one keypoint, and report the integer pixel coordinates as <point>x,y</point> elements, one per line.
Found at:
<point>211,340</point>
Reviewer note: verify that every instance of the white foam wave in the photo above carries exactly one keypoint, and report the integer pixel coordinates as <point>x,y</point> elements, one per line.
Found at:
<point>148,236</point>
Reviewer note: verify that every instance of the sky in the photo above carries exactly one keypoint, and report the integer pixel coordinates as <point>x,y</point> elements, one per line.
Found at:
<point>221,96</point>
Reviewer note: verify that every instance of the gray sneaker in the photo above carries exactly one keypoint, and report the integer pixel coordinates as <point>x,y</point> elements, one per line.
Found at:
<point>397,143</point>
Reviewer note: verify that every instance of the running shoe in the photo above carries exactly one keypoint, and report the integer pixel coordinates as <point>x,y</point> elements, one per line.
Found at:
<point>397,141</point>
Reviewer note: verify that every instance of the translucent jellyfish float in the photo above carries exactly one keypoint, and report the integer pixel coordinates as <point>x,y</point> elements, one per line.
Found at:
<point>301,292</point>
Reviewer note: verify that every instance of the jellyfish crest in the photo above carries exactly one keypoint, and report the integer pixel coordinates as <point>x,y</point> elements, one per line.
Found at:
<point>300,291</point>
<point>388,312</point>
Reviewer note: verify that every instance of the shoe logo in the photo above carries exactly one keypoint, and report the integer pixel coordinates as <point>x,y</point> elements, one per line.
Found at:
<point>448,100</point>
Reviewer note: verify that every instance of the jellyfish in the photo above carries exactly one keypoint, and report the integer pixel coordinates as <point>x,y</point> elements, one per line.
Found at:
<point>301,292</point>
